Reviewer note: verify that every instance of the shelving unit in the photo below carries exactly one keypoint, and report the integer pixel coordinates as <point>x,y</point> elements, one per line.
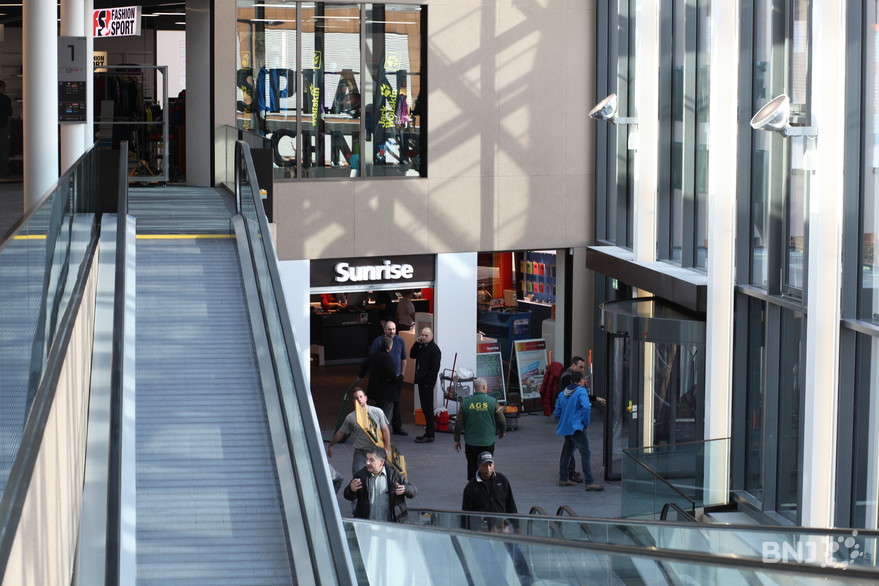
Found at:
<point>537,276</point>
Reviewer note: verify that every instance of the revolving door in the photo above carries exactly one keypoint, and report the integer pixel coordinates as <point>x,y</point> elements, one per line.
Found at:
<point>655,377</point>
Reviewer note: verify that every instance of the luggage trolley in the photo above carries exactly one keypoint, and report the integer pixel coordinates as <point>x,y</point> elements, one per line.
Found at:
<point>455,387</point>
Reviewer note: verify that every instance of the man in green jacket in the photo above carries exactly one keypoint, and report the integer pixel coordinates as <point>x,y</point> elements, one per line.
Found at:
<point>480,419</point>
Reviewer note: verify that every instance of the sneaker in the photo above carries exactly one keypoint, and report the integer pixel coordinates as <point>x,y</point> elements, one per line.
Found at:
<point>423,439</point>
<point>594,486</point>
<point>566,483</point>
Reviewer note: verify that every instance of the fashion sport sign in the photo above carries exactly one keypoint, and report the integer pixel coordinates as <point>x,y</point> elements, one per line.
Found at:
<point>116,22</point>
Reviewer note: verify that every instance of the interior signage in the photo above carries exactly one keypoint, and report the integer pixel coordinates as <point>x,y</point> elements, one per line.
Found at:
<point>387,271</point>
<point>123,21</point>
<point>372,271</point>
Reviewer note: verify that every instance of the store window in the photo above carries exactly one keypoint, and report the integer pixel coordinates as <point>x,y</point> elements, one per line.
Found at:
<point>683,213</point>
<point>335,89</point>
<point>522,288</point>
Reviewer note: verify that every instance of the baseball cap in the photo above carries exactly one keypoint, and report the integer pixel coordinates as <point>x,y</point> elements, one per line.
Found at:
<point>485,457</point>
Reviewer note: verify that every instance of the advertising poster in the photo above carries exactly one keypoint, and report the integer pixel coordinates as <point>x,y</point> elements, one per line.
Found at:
<point>490,367</point>
<point>530,366</point>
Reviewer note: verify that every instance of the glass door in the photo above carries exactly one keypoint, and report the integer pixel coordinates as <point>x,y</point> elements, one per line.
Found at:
<point>621,429</point>
<point>655,377</point>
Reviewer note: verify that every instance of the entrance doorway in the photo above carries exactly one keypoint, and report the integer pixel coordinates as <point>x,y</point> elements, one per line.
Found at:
<point>655,376</point>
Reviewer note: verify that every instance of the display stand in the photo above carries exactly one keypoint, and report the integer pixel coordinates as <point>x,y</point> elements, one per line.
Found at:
<point>528,403</point>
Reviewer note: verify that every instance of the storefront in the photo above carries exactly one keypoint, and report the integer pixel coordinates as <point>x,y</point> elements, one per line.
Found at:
<point>350,298</point>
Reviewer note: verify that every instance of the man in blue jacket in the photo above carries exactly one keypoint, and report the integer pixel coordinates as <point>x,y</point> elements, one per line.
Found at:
<point>573,410</point>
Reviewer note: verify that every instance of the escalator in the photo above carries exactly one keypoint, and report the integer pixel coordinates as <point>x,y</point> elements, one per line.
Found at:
<point>208,495</point>
<point>202,462</point>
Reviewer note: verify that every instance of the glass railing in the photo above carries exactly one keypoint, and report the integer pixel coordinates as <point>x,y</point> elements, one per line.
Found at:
<point>386,553</point>
<point>318,511</point>
<point>45,262</point>
<point>41,259</point>
<point>689,475</point>
<point>821,547</point>
<point>227,137</point>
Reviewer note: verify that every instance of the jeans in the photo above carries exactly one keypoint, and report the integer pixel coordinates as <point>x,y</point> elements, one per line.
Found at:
<point>580,441</point>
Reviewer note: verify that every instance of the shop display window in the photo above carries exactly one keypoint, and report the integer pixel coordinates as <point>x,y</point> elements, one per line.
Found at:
<point>333,89</point>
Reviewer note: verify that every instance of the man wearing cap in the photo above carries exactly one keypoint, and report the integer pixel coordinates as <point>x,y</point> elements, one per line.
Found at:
<point>480,419</point>
<point>488,491</point>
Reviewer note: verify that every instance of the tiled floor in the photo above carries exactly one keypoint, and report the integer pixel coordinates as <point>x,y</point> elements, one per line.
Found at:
<point>528,457</point>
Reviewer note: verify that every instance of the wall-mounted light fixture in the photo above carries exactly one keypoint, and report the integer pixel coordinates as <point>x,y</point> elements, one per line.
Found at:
<point>775,117</point>
<point>606,109</point>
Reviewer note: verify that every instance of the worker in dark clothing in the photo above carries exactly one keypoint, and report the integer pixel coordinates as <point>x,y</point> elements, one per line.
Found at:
<point>488,491</point>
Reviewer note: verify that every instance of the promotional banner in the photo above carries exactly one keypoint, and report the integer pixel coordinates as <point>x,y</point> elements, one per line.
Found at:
<point>531,365</point>
<point>490,366</point>
<point>123,21</point>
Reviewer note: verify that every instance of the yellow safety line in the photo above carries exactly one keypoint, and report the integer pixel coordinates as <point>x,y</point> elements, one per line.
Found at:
<point>181,236</point>
<point>139,236</point>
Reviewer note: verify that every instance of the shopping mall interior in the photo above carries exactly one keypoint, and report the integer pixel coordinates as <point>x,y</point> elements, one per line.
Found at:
<point>210,211</point>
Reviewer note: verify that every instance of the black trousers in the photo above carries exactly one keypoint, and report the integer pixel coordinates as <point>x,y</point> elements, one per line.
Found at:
<point>396,420</point>
<point>425,395</point>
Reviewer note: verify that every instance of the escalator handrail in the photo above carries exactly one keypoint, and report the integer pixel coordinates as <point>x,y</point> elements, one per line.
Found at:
<point>565,509</point>
<point>663,515</point>
<point>751,565</point>
<point>414,513</point>
<point>343,567</point>
<point>25,218</point>
<point>114,466</point>
<point>535,510</point>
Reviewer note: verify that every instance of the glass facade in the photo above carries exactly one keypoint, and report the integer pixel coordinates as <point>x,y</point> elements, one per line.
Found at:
<point>790,385</point>
<point>774,176</point>
<point>686,133</point>
<point>616,177</point>
<point>755,385</point>
<point>868,306</point>
<point>335,86</point>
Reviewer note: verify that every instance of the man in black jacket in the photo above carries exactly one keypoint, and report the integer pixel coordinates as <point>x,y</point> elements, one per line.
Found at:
<point>488,491</point>
<point>427,357</point>
<point>379,490</point>
<point>382,385</point>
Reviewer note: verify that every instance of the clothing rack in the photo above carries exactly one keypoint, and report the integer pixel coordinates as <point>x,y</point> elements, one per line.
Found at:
<point>124,115</point>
